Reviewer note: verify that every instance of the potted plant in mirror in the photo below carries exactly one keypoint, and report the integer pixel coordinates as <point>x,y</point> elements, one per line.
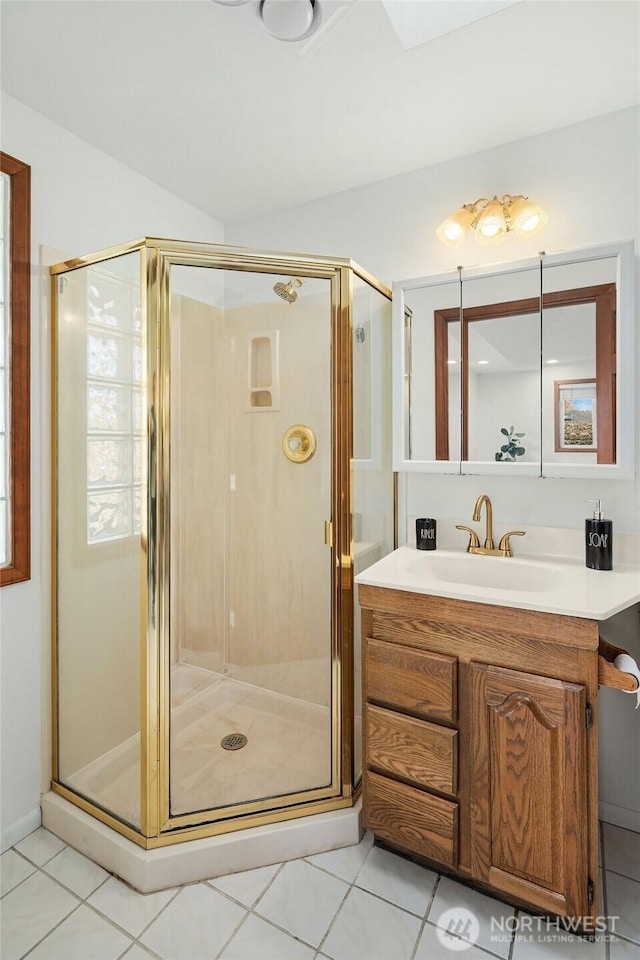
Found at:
<point>512,448</point>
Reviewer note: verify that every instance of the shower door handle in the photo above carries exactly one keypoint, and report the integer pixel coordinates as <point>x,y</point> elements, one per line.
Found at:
<point>328,532</point>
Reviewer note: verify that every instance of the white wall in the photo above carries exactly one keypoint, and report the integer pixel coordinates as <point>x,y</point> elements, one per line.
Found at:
<point>586,177</point>
<point>82,200</point>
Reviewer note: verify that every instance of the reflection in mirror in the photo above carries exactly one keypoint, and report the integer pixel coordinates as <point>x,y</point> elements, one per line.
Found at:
<point>500,349</point>
<point>432,372</point>
<point>523,368</point>
<point>408,321</point>
<point>579,362</point>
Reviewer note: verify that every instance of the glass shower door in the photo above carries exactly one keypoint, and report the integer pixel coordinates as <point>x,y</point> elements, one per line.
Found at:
<point>251,624</point>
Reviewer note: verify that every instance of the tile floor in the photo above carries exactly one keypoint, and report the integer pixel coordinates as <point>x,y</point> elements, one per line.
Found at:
<point>358,903</point>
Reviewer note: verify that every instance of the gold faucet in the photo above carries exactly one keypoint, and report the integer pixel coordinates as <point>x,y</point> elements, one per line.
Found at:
<point>489,549</point>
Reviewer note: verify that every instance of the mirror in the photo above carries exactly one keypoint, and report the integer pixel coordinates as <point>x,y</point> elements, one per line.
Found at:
<point>501,371</point>
<point>524,368</point>
<point>431,353</point>
<point>579,360</point>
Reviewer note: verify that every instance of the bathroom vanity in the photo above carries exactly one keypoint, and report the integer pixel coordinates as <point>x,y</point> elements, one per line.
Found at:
<point>480,703</point>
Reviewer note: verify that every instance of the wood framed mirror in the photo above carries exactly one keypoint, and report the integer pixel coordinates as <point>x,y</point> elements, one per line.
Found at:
<point>584,338</point>
<point>525,368</point>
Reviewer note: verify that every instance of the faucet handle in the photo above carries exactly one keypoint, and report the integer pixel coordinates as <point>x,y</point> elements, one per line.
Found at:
<point>505,546</point>
<point>473,536</point>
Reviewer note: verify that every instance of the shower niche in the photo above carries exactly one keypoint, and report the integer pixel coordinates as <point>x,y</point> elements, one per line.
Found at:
<point>264,371</point>
<point>206,677</point>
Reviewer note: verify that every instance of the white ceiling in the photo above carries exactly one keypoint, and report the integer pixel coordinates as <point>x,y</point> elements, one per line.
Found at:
<point>197,96</point>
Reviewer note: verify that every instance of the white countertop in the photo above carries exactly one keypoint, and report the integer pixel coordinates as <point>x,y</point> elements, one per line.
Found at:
<point>548,584</point>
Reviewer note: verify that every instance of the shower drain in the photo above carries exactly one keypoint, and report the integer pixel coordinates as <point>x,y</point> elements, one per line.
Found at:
<point>233,741</point>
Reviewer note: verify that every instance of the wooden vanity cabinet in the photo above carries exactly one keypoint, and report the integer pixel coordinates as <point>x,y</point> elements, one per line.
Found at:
<point>480,744</point>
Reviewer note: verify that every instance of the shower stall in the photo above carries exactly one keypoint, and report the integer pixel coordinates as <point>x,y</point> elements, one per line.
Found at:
<point>222,467</point>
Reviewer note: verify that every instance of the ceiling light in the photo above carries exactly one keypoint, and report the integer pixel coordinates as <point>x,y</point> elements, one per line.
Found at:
<point>290,20</point>
<point>451,361</point>
<point>553,361</point>
<point>492,220</point>
<point>483,361</point>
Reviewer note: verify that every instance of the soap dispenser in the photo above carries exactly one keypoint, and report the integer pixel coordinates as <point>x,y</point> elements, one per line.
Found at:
<point>598,535</point>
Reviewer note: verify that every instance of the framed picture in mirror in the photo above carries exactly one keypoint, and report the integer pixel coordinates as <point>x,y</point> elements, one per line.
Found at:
<point>576,421</point>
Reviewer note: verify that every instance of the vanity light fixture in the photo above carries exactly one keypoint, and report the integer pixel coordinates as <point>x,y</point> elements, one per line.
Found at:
<point>492,220</point>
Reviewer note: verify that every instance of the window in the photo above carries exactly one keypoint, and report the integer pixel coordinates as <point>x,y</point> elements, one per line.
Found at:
<point>114,406</point>
<point>15,269</point>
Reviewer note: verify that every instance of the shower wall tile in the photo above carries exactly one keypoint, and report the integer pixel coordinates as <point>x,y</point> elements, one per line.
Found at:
<point>200,478</point>
<point>279,567</point>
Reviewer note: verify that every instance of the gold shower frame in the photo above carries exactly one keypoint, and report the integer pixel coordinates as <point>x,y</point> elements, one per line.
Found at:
<point>158,828</point>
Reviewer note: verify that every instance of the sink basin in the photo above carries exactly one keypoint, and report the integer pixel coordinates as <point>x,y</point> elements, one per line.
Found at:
<point>500,573</point>
<point>559,585</point>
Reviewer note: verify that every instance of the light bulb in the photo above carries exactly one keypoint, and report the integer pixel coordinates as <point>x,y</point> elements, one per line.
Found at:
<point>491,227</point>
<point>527,218</point>
<point>453,230</point>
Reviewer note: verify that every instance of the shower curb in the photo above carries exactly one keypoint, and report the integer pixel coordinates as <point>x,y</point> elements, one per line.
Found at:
<point>193,860</point>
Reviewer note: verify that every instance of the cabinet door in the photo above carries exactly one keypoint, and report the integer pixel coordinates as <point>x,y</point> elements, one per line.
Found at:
<point>529,830</point>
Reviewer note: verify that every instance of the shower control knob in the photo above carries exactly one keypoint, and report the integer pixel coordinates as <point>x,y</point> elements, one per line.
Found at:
<point>299,443</point>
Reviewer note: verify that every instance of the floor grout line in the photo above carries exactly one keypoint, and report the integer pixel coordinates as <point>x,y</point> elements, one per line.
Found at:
<point>235,930</point>
<point>426,914</point>
<point>512,945</point>
<point>624,875</point>
<point>49,932</point>
<point>335,917</point>
<point>252,910</point>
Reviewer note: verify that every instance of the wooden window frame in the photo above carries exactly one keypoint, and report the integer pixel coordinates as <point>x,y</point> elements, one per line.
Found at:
<point>19,492</point>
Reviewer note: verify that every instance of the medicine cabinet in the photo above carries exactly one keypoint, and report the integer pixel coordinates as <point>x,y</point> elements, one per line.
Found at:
<point>523,368</point>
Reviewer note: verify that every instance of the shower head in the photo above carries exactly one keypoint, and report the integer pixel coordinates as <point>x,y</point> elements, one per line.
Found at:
<point>287,290</point>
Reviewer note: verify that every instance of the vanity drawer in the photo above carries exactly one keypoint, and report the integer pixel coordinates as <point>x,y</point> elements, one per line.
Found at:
<point>414,750</point>
<point>411,819</point>
<point>422,683</point>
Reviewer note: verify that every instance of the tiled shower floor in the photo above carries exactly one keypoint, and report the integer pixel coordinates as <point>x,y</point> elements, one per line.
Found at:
<point>288,748</point>
<point>359,903</point>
